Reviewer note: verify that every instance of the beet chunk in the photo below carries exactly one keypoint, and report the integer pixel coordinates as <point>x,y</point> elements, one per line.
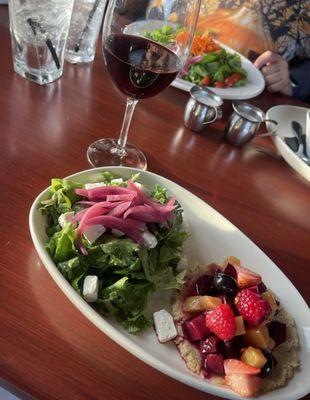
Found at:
<point>195,328</point>
<point>232,348</point>
<point>214,363</point>
<point>231,270</point>
<point>277,331</point>
<point>204,285</point>
<point>210,345</point>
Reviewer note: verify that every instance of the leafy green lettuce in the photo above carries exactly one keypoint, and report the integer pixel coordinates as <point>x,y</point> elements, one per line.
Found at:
<point>217,66</point>
<point>166,35</point>
<point>127,299</point>
<point>128,273</point>
<point>61,245</point>
<point>62,199</point>
<point>160,263</point>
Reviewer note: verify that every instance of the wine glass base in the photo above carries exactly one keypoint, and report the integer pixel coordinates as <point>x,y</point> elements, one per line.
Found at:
<point>107,152</point>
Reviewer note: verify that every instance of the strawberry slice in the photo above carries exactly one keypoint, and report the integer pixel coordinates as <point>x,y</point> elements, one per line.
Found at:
<point>234,366</point>
<point>221,321</point>
<point>252,307</point>
<point>243,384</point>
<point>246,277</point>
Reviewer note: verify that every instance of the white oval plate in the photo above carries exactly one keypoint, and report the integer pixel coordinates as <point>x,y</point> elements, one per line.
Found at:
<point>212,238</point>
<point>255,80</point>
<point>284,115</point>
<point>254,86</point>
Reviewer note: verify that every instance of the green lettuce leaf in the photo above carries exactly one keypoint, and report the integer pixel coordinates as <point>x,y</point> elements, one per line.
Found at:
<point>159,264</point>
<point>62,198</point>
<point>160,194</point>
<point>123,258</point>
<point>210,58</point>
<point>127,301</point>
<point>122,252</point>
<point>166,35</point>
<point>158,272</point>
<point>74,270</point>
<point>61,245</point>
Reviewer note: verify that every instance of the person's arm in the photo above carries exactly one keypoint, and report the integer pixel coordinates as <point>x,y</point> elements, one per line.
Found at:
<point>300,76</point>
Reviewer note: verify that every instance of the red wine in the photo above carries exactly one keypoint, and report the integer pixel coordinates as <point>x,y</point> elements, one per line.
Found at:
<point>138,66</point>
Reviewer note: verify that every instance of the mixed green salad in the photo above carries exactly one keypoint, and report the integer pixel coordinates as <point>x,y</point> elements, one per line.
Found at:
<point>135,251</point>
<point>166,35</point>
<point>209,64</point>
<point>220,69</point>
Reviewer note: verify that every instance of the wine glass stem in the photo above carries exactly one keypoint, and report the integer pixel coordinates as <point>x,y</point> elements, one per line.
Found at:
<point>130,107</point>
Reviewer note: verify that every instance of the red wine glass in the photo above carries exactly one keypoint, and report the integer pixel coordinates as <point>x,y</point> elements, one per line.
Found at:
<point>141,63</point>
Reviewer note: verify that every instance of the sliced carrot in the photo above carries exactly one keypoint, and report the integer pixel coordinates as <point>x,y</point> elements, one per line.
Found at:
<point>182,37</point>
<point>203,44</point>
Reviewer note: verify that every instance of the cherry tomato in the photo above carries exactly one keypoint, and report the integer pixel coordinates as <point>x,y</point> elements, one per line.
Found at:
<point>229,81</point>
<point>205,81</point>
<point>219,84</point>
<point>236,76</point>
<point>232,79</point>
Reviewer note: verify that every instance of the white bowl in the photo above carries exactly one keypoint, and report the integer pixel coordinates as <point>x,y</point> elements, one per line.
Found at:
<point>212,239</point>
<point>284,115</point>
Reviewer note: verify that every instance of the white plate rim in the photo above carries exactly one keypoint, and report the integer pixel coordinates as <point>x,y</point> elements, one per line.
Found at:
<point>102,324</point>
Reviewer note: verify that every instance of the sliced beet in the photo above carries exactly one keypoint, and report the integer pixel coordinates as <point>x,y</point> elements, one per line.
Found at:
<point>195,328</point>
<point>232,348</point>
<point>231,270</point>
<point>214,363</point>
<point>190,291</point>
<point>210,345</point>
<point>261,287</point>
<point>277,331</point>
<point>204,285</point>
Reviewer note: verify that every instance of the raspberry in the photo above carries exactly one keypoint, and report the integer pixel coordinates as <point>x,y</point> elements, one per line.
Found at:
<point>251,306</point>
<point>221,321</point>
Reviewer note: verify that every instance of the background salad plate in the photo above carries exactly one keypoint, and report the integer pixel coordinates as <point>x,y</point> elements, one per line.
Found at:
<point>284,115</point>
<point>212,239</point>
<point>255,81</point>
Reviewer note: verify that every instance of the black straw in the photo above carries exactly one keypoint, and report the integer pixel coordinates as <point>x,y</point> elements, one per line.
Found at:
<point>90,17</point>
<point>34,25</point>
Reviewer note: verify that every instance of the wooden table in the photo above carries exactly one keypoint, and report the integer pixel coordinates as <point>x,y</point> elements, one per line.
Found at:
<point>47,348</point>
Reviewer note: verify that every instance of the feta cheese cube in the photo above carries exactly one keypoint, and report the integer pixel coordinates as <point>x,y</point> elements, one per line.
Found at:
<point>94,185</point>
<point>149,239</point>
<point>90,288</point>
<point>65,218</point>
<point>164,326</point>
<point>117,232</point>
<point>93,232</point>
<point>117,181</point>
